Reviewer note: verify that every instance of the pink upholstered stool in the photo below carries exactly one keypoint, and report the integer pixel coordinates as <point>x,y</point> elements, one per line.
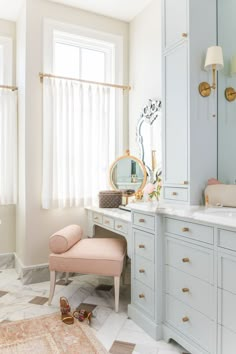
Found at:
<point>71,253</point>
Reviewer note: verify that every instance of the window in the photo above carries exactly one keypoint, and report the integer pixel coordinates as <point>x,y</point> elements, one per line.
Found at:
<point>5,61</point>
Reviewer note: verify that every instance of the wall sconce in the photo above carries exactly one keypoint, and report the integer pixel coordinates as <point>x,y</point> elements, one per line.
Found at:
<point>230,93</point>
<point>214,61</point>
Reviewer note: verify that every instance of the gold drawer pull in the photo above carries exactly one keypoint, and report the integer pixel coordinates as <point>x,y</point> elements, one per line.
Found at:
<point>185,290</point>
<point>141,246</point>
<point>185,260</point>
<point>107,222</point>
<point>141,220</point>
<point>185,319</point>
<point>96,218</point>
<point>185,229</point>
<point>185,182</point>
<point>141,296</point>
<point>174,193</point>
<point>184,35</point>
<point>141,271</point>
<point>119,226</point>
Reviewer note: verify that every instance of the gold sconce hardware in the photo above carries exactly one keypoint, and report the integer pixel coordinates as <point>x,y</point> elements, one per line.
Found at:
<point>141,246</point>
<point>185,319</point>
<point>230,94</point>
<point>184,35</point>
<point>141,296</point>
<point>141,220</point>
<point>185,260</point>
<point>141,271</point>
<point>214,61</point>
<point>185,229</point>
<point>185,290</point>
<point>174,193</point>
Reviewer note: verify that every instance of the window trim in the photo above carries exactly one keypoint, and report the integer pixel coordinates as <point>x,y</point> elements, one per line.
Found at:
<point>7,45</point>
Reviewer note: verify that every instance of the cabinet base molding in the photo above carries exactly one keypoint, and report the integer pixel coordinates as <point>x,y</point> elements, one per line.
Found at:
<point>169,333</point>
<point>153,329</point>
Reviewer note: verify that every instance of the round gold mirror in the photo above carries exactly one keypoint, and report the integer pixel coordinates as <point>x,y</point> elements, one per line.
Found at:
<point>128,173</point>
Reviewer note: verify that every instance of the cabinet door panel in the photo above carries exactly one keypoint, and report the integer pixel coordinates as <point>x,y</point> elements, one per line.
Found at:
<point>175,21</point>
<point>176,116</point>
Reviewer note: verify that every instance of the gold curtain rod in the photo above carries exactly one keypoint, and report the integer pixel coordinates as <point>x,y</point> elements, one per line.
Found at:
<point>13,88</point>
<point>42,75</point>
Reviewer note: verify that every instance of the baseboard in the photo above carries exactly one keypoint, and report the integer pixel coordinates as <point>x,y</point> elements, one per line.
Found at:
<point>7,260</point>
<point>32,274</point>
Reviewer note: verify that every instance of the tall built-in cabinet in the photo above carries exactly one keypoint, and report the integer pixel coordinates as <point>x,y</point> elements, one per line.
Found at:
<point>189,120</point>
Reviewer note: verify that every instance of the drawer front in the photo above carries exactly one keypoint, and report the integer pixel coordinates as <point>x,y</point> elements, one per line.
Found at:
<point>179,194</point>
<point>227,310</point>
<point>227,271</point>
<point>121,226</point>
<point>144,244</point>
<point>144,221</point>
<point>227,341</point>
<point>190,290</point>
<point>144,298</point>
<point>227,239</point>
<point>190,230</point>
<point>144,271</point>
<point>191,259</point>
<point>108,222</point>
<point>97,218</point>
<point>191,323</point>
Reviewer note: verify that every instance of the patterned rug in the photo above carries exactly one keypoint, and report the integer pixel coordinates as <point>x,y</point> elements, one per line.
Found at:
<point>48,335</point>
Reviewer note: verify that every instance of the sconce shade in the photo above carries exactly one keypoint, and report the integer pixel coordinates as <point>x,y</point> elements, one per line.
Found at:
<point>233,65</point>
<point>214,56</point>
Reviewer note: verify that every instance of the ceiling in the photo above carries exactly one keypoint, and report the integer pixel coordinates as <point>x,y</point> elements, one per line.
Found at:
<point>124,10</point>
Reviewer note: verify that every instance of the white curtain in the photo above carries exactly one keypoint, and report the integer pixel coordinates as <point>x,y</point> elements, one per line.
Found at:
<point>78,142</point>
<point>8,147</point>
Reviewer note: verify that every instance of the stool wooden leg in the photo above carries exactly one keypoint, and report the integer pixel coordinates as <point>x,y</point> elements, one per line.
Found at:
<point>117,292</point>
<point>52,285</point>
<point>66,278</point>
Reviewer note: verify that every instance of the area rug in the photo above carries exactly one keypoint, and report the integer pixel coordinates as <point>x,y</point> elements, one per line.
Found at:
<point>48,335</point>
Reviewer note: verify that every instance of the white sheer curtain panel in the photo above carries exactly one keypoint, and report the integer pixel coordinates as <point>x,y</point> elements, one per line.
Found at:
<point>78,142</point>
<point>8,147</point>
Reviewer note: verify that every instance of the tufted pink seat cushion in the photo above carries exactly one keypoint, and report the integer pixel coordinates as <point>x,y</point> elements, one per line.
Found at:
<point>103,256</point>
<point>64,239</point>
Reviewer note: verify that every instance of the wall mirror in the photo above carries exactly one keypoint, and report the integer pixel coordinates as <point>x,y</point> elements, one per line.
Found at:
<point>148,134</point>
<point>128,173</point>
<point>227,78</point>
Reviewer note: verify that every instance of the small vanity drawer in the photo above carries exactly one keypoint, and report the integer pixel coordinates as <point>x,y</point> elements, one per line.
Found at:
<point>144,244</point>
<point>108,222</point>
<point>179,194</point>
<point>227,341</point>
<point>144,271</point>
<point>227,239</point>
<point>191,259</point>
<point>121,226</point>
<point>227,271</point>
<point>227,309</point>
<point>190,290</point>
<point>97,218</point>
<point>192,323</point>
<point>144,221</point>
<point>190,230</point>
<point>144,298</point>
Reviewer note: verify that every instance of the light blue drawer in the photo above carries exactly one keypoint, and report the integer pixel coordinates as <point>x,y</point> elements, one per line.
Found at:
<point>190,230</point>
<point>227,341</point>
<point>144,244</point>
<point>144,271</point>
<point>227,310</point>
<point>179,194</point>
<point>97,218</point>
<point>227,239</point>
<point>227,271</point>
<point>144,298</point>
<point>145,221</point>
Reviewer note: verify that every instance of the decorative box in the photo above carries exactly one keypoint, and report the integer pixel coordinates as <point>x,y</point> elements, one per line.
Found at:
<point>110,199</point>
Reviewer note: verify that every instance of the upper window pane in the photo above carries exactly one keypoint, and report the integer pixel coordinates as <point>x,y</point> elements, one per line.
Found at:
<point>1,65</point>
<point>66,60</point>
<point>93,65</point>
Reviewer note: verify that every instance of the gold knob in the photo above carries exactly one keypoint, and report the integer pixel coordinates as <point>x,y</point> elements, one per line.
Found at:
<point>185,229</point>
<point>184,35</point>
<point>141,220</point>
<point>96,218</point>
<point>141,246</point>
<point>107,222</point>
<point>141,296</point>
<point>174,193</point>
<point>119,226</point>
<point>185,319</point>
<point>185,182</point>
<point>185,260</point>
<point>141,271</point>
<point>185,290</point>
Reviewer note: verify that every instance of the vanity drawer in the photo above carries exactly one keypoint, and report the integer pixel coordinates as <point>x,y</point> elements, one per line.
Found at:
<point>191,259</point>
<point>190,290</point>
<point>144,221</point>
<point>144,271</point>
<point>227,271</point>
<point>108,222</point>
<point>179,194</point>
<point>227,341</point>
<point>97,218</point>
<point>144,298</point>
<point>227,239</point>
<point>190,230</point>
<point>190,322</point>
<point>121,226</point>
<point>227,309</point>
<point>144,244</point>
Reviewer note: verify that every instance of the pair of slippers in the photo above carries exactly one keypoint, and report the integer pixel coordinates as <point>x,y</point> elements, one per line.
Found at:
<point>66,315</point>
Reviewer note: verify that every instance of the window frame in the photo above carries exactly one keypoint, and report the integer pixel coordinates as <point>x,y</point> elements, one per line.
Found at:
<point>7,45</point>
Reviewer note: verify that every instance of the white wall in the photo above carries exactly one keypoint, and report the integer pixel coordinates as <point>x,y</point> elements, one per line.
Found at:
<point>34,224</point>
<point>7,213</point>
<point>145,64</point>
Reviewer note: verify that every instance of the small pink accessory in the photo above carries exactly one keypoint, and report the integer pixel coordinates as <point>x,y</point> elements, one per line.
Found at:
<point>212,181</point>
<point>149,188</point>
